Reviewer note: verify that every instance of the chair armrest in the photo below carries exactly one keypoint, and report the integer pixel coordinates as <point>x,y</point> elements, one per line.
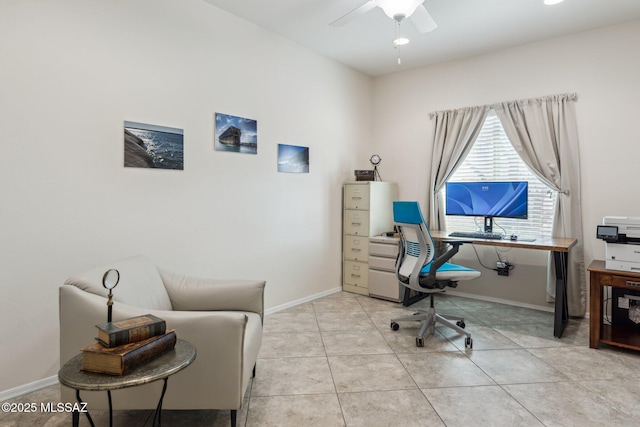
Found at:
<point>438,262</point>
<point>197,294</point>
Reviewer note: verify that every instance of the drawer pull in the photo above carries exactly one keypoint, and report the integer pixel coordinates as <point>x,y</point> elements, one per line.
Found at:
<point>631,283</point>
<point>356,198</point>
<point>356,223</point>
<point>356,250</point>
<point>355,275</point>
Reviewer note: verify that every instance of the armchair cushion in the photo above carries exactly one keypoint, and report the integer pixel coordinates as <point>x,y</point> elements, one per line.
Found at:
<point>140,283</point>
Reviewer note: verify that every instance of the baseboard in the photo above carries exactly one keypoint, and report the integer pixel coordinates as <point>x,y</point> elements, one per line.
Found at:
<point>301,301</point>
<point>27,388</point>
<point>501,301</point>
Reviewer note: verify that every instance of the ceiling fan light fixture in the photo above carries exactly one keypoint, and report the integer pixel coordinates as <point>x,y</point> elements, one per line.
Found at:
<point>552,2</point>
<point>401,41</point>
<point>393,8</point>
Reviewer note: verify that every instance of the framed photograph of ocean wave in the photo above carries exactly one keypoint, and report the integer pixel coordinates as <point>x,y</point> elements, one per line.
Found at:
<point>153,146</point>
<point>293,158</point>
<point>235,134</point>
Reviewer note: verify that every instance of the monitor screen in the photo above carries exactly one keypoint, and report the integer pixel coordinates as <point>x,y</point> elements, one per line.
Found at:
<point>488,199</point>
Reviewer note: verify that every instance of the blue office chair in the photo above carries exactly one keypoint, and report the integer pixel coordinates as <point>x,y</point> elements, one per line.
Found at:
<point>418,269</point>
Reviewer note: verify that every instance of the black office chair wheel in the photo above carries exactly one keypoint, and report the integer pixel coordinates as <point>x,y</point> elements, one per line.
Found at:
<point>468,342</point>
<point>419,342</point>
<point>461,323</point>
<point>395,326</point>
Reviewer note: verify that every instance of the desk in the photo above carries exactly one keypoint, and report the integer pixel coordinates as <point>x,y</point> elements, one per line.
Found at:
<point>560,247</point>
<point>160,368</point>
<point>599,277</point>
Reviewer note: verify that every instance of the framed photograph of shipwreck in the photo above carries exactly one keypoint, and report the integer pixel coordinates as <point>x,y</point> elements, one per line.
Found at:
<point>236,134</point>
<point>153,146</point>
<point>293,158</point>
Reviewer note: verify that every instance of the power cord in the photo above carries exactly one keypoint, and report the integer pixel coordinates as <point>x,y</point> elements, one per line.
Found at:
<point>502,271</point>
<point>479,261</point>
<point>495,224</point>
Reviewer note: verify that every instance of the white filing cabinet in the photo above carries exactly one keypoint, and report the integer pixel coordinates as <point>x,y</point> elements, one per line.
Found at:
<point>383,252</point>
<point>367,211</point>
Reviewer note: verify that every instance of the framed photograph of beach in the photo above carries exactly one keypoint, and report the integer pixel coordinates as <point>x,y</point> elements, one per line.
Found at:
<point>153,146</point>
<point>235,134</point>
<point>293,159</point>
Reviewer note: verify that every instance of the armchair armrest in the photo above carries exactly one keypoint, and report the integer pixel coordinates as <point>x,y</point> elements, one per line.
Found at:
<point>198,294</point>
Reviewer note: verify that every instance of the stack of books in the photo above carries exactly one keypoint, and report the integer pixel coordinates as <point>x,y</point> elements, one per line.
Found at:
<point>125,344</point>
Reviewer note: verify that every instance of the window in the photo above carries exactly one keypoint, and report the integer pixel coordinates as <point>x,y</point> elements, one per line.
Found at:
<point>493,158</point>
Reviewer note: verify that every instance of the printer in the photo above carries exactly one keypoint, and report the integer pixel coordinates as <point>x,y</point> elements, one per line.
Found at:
<point>622,242</point>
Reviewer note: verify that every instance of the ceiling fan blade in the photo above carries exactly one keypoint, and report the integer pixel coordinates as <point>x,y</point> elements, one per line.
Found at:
<point>423,20</point>
<point>360,10</point>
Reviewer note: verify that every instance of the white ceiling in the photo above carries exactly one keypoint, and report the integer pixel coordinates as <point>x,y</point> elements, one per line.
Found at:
<point>466,27</point>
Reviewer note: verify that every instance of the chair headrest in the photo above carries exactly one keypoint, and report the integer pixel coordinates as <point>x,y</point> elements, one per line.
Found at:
<point>407,212</point>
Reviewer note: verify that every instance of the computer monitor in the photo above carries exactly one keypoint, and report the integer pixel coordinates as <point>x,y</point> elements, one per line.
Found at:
<point>504,199</point>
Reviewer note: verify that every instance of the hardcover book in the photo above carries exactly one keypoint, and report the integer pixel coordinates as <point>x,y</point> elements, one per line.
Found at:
<point>122,359</point>
<point>112,334</point>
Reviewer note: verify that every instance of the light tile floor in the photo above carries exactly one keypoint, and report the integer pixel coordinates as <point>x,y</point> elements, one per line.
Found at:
<point>336,362</point>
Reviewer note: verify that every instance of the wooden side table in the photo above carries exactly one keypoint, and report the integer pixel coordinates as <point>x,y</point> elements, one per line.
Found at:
<point>599,277</point>
<point>160,368</point>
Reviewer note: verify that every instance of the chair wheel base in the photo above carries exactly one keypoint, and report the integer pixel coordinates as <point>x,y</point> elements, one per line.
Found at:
<point>395,326</point>
<point>419,342</point>
<point>461,323</point>
<point>468,342</point>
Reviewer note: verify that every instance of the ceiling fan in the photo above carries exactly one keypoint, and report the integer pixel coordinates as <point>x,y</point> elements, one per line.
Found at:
<point>397,10</point>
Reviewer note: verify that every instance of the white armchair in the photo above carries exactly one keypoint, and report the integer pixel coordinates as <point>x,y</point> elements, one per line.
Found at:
<point>221,318</point>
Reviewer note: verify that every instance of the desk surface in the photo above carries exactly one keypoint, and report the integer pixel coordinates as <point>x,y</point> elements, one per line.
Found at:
<point>556,244</point>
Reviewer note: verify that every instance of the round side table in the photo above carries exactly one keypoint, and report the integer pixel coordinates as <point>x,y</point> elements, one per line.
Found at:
<point>159,368</point>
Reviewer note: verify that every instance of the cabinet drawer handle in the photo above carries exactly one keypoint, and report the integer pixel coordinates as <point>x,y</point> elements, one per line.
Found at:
<point>355,250</point>
<point>356,198</point>
<point>356,223</point>
<point>355,275</point>
<point>631,283</point>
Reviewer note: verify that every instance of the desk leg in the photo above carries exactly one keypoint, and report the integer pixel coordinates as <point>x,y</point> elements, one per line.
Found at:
<point>561,311</point>
<point>158,413</point>
<point>76,415</point>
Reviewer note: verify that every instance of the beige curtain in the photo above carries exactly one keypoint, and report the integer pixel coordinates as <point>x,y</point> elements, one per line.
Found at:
<point>454,135</point>
<point>545,134</point>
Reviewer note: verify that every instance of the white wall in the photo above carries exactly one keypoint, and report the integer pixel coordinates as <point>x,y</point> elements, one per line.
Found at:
<point>601,66</point>
<point>73,71</point>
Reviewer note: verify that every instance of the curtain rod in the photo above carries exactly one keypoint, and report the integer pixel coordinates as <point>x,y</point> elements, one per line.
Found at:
<point>572,96</point>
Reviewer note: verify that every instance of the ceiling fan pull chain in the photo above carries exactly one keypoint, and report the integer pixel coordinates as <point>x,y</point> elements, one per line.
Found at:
<point>396,46</point>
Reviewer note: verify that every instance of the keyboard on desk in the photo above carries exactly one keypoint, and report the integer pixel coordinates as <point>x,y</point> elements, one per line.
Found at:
<point>477,235</point>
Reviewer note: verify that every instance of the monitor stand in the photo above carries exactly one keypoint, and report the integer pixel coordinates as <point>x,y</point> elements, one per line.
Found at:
<point>488,224</point>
